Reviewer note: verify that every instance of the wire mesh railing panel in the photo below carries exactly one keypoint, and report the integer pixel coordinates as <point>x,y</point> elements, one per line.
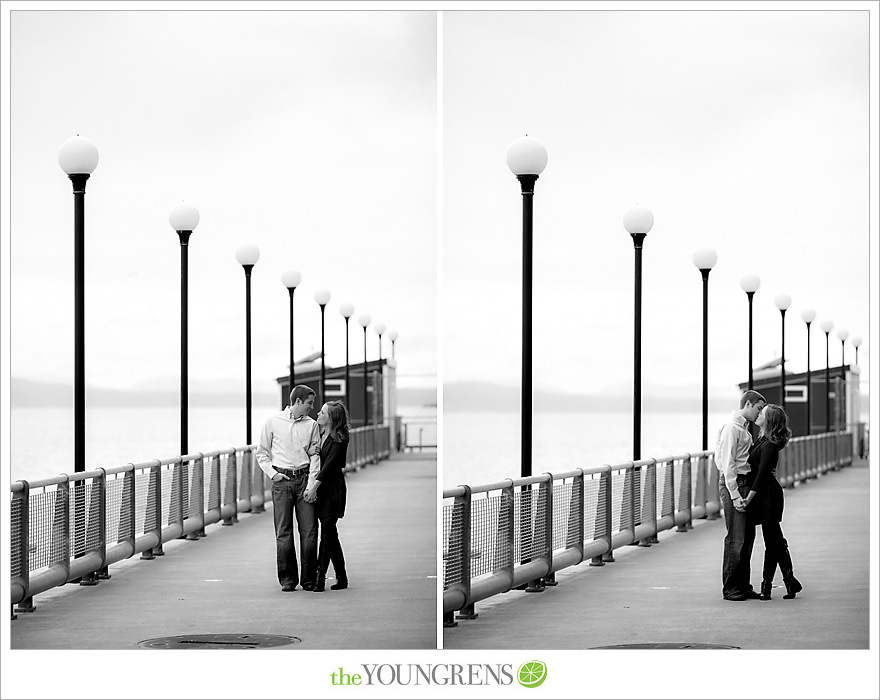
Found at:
<point>648,493</point>
<point>16,565</point>
<point>487,530</point>
<point>84,530</point>
<point>621,508</point>
<point>664,502</point>
<point>453,527</point>
<point>144,502</point>
<point>562,511</point>
<point>113,521</point>
<point>594,508</point>
<point>170,495</point>
<point>529,527</point>
<point>227,479</point>
<point>681,485</point>
<point>46,542</point>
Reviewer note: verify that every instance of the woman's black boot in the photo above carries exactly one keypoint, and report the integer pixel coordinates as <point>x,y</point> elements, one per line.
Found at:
<point>765,589</point>
<point>792,585</point>
<point>319,584</point>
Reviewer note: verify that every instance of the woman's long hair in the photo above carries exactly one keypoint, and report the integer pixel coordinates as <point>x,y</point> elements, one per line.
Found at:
<point>776,425</point>
<point>338,420</point>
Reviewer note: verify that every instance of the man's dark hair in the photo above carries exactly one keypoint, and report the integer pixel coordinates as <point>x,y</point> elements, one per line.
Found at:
<point>301,392</point>
<point>751,397</point>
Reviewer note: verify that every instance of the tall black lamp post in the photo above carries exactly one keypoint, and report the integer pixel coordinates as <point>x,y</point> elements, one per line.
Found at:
<point>364,320</point>
<point>843,334</point>
<point>347,310</point>
<point>183,218</point>
<point>750,285</point>
<point>705,260</point>
<point>78,157</point>
<point>808,316</point>
<point>322,296</point>
<point>393,336</point>
<point>526,158</point>
<point>380,404</point>
<point>638,222</point>
<point>247,256</point>
<point>826,327</point>
<point>782,301</point>
<point>857,341</point>
<point>291,280</point>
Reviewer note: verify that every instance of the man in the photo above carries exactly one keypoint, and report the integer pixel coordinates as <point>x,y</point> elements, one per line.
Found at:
<point>732,460</point>
<point>290,454</point>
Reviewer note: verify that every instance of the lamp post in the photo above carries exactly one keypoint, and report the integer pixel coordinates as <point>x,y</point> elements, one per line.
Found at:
<point>183,218</point>
<point>347,310</point>
<point>78,157</point>
<point>808,316</point>
<point>380,403</point>
<point>782,301</point>
<point>526,158</point>
<point>857,341</point>
<point>247,256</point>
<point>364,320</point>
<point>843,334</point>
<point>750,285</point>
<point>826,327</point>
<point>638,222</point>
<point>705,260</point>
<point>291,280</point>
<point>393,336</point>
<point>322,296</point>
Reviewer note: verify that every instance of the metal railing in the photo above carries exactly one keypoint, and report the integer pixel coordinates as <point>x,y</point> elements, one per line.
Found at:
<point>500,536</point>
<point>74,525</point>
<point>419,433</point>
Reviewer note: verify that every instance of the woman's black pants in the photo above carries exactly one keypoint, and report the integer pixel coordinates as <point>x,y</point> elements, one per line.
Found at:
<point>330,549</point>
<point>775,552</point>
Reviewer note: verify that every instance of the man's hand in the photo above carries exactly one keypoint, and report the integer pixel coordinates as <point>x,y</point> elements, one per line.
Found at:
<point>740,505</point>
<point>278,476</point>
<point>311,495</point>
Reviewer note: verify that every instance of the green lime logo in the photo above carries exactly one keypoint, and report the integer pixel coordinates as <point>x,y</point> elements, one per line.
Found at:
<point>531,674</point>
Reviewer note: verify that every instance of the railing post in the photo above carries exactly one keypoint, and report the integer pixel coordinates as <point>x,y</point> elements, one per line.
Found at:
<point>230,490</point>
<point>649,501</point>
<point>127,509</point>
<point>684,493</point>
<point>153,515</point>
<point>259,489</point>
<point>178,491</point>
<point>197,497</point>
<point>59,548</point>
<point>575,535</point>
<point>21,542</point>
<point>546,490</point>
<point>462,528</point>
<point>605,503</point>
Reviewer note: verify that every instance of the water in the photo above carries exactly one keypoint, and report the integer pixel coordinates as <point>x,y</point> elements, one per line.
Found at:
<point>482,448</point>
<point>41,439</point>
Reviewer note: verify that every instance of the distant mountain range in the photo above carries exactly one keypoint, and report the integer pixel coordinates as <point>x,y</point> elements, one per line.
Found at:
<point>27,392</point>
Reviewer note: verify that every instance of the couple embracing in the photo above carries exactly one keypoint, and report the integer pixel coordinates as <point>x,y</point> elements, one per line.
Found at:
<point>305,459</point>
<point>751,496</point>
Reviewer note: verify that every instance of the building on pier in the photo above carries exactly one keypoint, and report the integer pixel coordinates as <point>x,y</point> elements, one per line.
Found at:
<point>844,402</point>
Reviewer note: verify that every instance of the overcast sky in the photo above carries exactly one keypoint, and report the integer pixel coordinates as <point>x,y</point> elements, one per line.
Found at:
<point>310,134</point>
<point>746,132</point>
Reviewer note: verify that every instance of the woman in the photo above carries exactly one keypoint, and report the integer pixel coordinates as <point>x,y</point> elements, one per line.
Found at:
<point>765,500</point>
<point>330,503</point>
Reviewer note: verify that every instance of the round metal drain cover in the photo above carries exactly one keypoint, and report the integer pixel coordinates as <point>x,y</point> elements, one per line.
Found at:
<point>219,641</point>
<point>674,645</point>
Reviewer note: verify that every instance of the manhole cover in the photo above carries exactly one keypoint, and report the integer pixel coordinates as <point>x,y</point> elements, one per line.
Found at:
<point>219,641</point>
<point>675,645</point>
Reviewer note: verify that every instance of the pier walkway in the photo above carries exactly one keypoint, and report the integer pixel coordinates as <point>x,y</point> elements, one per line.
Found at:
<point>226,583</point>
<point>670,593</point>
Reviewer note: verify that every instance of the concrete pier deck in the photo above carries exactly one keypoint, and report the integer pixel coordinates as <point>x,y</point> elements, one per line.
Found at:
<point>226,582</point>
<point>670,593</point>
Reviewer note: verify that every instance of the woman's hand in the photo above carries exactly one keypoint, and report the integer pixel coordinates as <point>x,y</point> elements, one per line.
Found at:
<point>748,499</point>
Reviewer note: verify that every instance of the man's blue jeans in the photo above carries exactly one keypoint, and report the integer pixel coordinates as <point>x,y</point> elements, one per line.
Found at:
<point>287,501</point>
<point>738,543</point>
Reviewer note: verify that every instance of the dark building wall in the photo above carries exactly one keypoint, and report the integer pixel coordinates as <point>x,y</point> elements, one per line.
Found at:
<point>796,398</point>
<point>335,377</point>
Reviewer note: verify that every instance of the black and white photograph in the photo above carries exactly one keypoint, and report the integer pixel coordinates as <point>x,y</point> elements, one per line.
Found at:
<point>656,225</point>
<point>439,350</point>
<point>222,344</point>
